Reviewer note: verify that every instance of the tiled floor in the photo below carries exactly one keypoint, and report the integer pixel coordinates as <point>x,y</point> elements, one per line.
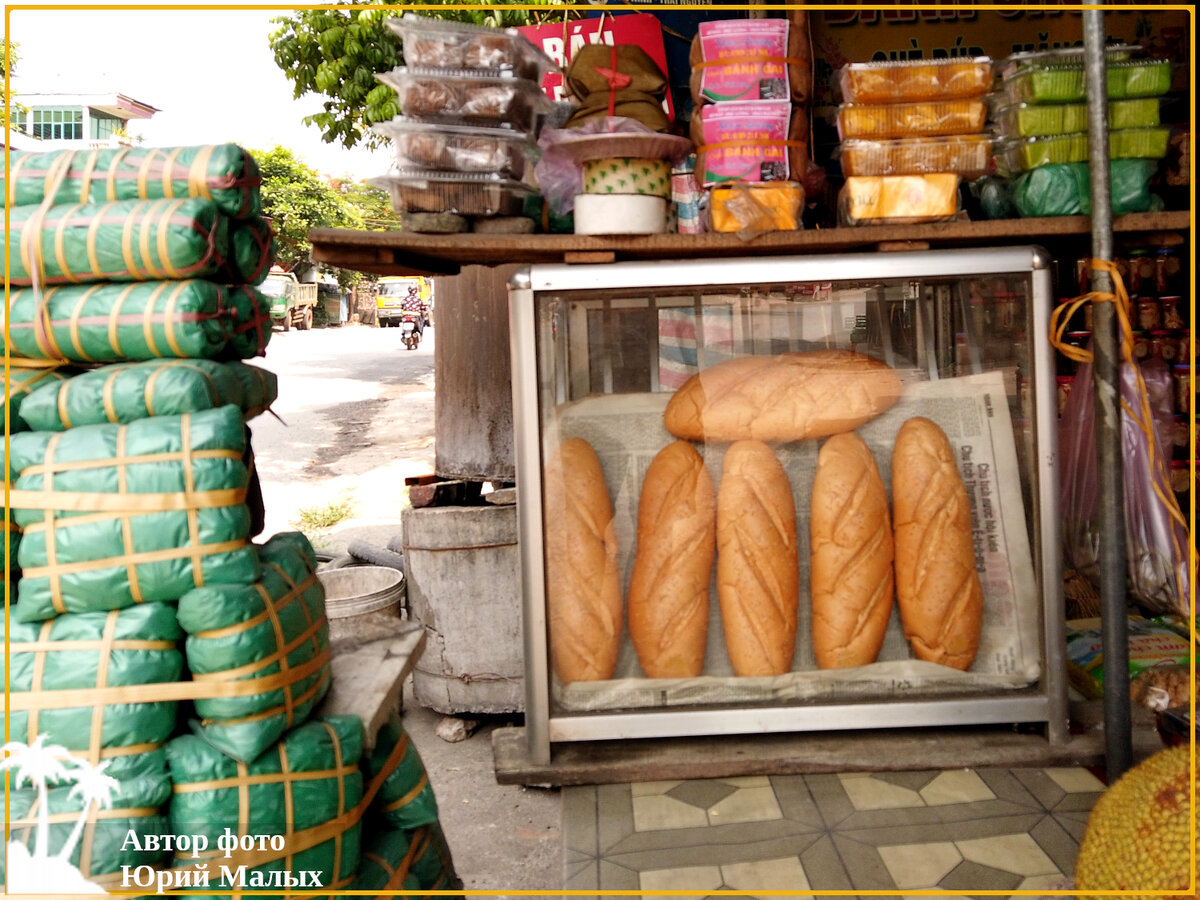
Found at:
<point>959,831</point>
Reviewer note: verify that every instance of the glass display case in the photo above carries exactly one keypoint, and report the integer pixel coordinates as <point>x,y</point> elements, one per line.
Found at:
<point>636,627</point>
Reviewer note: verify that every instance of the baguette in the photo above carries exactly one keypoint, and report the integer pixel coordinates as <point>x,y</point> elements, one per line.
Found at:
<point>758,577</point>
<point>677,540</point>
<point>852,585</point>
<point>938,588</point>
<point>782,398</point>
<point>583,589</point>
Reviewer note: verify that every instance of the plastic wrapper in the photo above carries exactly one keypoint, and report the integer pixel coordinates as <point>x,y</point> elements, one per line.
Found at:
<point>749,208</point>
<point>898,199</point>
<point>442,44</point>
<point>1061,56</point>
<point>1162,687</point>
<point>22,383</point>
<point>1067,83</point>
<point>458,148</point>
<point>459,96</point>
<point>1065,190</point>
<point>904,81</point>
<point>1156,533</point>
<point>904,120</point>
<point>965,155</point>
<point>751,59</point>
<point>1024,154</point>
<point>1043,120</point>
<point>467,194</point>
<point>1151,646</point>
<point>764,140</point>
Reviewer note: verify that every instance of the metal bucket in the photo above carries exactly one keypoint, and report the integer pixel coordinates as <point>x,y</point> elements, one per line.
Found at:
<point>357,590</point>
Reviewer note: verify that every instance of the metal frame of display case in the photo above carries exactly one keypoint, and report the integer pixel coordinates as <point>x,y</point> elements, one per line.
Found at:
<point>1045,701</point>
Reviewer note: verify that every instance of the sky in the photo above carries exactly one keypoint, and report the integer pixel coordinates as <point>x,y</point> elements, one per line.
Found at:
<point>210,72</point>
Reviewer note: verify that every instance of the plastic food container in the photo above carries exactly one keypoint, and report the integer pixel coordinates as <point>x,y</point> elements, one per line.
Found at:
<point>898,199</point>
<point>902,120</point>
<point>756,206</point>
<point>439,44</point>
<point>1034,120</point>
<point>458,148</point>
<point>467,194</point>
<point>896,82</point>
<point>1131,143</point>
<point>1067,83</point>
<point>966,155</point>
<point>461,97</point>
<point>1061,56</point>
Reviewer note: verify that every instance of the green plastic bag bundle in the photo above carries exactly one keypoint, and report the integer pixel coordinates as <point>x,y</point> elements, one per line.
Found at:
<point>405,797</point>
<point>251,328</point>
<point>86,680</point>
<point>407,859</point>
<point>113,515</point>
<point>118,322</point>
<point>251,252</point>
<point>23,382</point>
<point>130,240</point>
<point>112,836</point>
<point>307,788</point>
<point>126,392</point>
<point>223,173</point>
<point>1065,189</point>
<point>274,632</point>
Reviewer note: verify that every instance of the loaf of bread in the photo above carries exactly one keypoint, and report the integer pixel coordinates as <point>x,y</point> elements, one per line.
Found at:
<point>782,398</point>
<point>758,577</point>
<point>852,585</point>
<point>937,586</point>
<point>583,589</point>
<point>677,540</point>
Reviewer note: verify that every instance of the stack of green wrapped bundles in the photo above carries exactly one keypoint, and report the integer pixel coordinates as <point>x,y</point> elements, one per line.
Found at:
<point>1041,115</point>
<point>169,242</point>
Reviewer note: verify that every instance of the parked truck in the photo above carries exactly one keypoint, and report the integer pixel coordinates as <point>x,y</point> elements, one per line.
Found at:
<point>292,300</point>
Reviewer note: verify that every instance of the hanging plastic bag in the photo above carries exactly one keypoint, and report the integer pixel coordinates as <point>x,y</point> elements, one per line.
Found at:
<point>1157,541</point>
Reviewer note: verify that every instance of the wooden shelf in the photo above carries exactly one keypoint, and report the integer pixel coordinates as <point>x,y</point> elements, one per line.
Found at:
<point>408,253</point>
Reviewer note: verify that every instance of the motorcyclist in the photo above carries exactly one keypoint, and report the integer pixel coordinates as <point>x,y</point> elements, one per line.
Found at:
<point>413,304</point>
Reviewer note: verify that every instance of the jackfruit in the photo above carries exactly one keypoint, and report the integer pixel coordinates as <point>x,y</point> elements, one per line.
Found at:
<point>1139,834</point>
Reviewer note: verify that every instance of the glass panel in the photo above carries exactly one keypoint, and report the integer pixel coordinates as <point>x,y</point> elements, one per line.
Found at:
<point>610,365</point>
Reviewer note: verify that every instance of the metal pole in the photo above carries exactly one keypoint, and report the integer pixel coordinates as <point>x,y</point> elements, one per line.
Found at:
<point>1110,489</point>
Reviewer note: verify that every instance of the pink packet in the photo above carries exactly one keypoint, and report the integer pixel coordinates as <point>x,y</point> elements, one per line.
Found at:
<point>744,77</point>
<point>744,141</point>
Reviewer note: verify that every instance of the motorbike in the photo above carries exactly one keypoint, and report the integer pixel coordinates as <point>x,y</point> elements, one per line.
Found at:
<point>410,330</point>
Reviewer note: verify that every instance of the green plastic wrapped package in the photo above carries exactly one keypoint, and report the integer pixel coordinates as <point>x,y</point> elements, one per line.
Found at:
<point>405,797</point>
<point>118,322</point>
<point>126,392</point>
<point>273,631</point>
<point>251,328</point>
<point>307,789</point>
<point>104,845</point>
<point>407,859</point>
<point>251,252</point>
<point>23,382</point>
<point>223,173</point>
<point>113,515</point>
<point>130,240</point>
<point>74,658</point>
<point>1065,190</point>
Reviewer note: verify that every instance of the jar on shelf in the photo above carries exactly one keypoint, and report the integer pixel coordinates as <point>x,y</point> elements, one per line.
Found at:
<point>1163,346</point>
<point>1172,317</point>
<point>1149,314</point>
<point>1168,271</point>
<point>1183,388</point>
<point>1141,274</point>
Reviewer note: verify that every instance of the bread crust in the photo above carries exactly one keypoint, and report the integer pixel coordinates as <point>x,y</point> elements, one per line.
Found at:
<point>677,540</point>
<point>758,578</point>
<point>583,589</point>
<point>791,397</point>
<point>852,584</point>
<point>937,585</point>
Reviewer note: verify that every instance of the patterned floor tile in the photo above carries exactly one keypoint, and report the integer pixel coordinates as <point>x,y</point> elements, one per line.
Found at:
<point>920,865</point>
<point>703,794</point>
<point>702,879</point>
<point>747,804</point>
<point>659,813</point>
<point>866,792</point>
<point>1075,780</point>
<point>786,874</point>
<point>1057,842</point>
<point>971,876</point>
<point>961,786</point>
<point>1016,853</point>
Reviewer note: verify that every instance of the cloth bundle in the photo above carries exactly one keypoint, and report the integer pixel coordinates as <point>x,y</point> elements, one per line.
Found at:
<point>405,798</point>
<point>250,252</point>
<point>114,515</point>
<point>274,632</point>
<point>126,392</point>
<point>307,789</point>
<point>20,384</point>
<point>395,860</point>
<point>619,80</point>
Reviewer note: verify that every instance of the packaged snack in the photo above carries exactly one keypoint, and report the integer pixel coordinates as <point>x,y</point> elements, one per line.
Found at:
<point>1150,645</point>
<point>441,44</point>
<point>755,207</point>
<point>1033,120</point>
<point>910,80</point>
<point>894,199</point>
<point>1064,190</point>
<point>749,141</point>
<point>902,120</point>
<point>459,148</point>
<point>751,59</point>
<point>467,194</point>
<point>461,97</point>
<point>966,155</point>
<point>1061,56</point>
<point>1067,83</point>
<point>1029,153</point>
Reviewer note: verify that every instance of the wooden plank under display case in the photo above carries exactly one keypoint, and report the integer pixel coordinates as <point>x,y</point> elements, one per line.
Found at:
<point>409,253</point>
